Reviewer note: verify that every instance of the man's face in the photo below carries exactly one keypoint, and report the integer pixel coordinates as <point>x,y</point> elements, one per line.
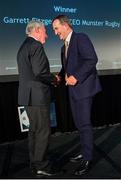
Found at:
<point>60,29</point>
<point>43,35</point>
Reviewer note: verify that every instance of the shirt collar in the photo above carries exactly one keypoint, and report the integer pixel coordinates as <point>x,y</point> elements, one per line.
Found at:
<point>32,37</point>
<point>69,37</point>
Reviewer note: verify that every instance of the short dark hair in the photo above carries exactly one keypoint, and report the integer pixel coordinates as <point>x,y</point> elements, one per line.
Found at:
<point>63,18</point>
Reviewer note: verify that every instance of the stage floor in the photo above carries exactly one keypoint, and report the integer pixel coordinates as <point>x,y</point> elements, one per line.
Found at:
<point>14,159</point>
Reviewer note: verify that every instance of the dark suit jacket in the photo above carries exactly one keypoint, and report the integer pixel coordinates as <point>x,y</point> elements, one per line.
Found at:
<point>34,74</point>
<point>81,63</point>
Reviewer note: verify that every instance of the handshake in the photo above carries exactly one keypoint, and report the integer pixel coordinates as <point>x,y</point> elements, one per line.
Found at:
<point>69,80</point>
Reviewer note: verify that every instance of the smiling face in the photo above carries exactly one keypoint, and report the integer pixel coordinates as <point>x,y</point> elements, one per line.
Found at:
<point>61,29</point>
<point>42,34</point>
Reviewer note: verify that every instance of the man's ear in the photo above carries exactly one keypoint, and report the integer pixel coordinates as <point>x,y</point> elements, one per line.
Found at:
<point>65,25</point>
<point>37,29</point>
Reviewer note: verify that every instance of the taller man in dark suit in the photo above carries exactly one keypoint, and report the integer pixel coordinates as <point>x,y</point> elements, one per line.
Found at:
<point>79,71</point>
<point>35,80</point>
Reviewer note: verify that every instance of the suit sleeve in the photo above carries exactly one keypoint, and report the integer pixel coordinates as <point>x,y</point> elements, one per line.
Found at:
<point>87,58</point>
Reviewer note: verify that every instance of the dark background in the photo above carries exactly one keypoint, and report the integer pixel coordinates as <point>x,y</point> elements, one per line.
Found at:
<point>106,39</point>
<point>106,108</point>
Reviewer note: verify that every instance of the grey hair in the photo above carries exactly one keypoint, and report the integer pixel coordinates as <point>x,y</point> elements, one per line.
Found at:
<point>32,24</point>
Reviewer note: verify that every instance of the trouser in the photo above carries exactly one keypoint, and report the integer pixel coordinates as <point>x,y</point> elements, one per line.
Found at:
<point>38,135</point>
<point>81,111</point>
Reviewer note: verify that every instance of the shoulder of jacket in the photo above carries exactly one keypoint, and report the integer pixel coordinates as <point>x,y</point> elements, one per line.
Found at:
<point>81,34</point>
<point>33,41</point>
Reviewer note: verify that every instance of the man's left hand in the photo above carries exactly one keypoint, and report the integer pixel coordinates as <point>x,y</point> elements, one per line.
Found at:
<point>71,80</point>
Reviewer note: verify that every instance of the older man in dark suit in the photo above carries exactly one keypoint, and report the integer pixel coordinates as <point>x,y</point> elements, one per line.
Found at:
<point>79,70</point>
<point>35,80</point>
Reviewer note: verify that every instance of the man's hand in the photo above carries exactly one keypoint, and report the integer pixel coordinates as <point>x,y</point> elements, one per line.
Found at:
<point>71,80</point>
<point>58,78</point>
<point>57,81</point>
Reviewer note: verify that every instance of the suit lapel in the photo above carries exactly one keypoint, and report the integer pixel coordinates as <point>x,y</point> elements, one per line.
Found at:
<point>70,48</point>
<point>64,60</point>
<point>70,45</point>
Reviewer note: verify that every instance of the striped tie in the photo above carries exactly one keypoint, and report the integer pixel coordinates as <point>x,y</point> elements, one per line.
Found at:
<point>66,48</point>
